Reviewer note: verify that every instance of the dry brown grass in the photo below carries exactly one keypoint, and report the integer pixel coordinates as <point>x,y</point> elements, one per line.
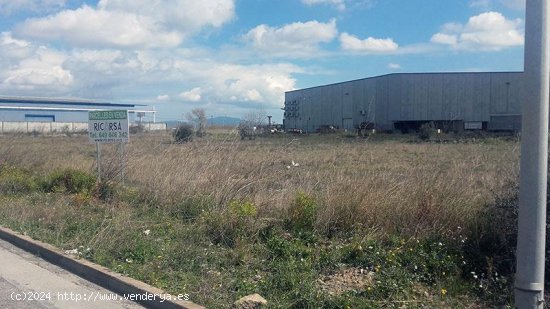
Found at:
<point>403,198</point>
<point>388,186</point>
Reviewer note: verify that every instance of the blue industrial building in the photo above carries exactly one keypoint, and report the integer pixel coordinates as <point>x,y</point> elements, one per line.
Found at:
<point>30,109</point>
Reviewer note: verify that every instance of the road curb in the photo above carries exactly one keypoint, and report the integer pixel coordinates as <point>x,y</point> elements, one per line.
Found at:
<point>117,283</point>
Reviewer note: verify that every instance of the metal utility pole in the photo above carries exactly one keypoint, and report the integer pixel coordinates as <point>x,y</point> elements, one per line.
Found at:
<point>529,285</point>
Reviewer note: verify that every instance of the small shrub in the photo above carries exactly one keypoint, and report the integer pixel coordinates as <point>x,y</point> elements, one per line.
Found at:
<point>246,130</point>
<point>231,224</point>
<point>302,213</point>
<point>104,191</point>
<point>489,247</point>
<point>426,131</point>
<point>242,210</point>
<point>69,180</point>
<point>190,209</point>
<point>66,130</point>
<point>131,195</point>
<point>183,133</point>
<point>137,129</point>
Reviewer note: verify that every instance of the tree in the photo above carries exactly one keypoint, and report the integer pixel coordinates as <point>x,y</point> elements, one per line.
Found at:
<point>256,118</point>
<point>252,124</point>
<point>198,117</point>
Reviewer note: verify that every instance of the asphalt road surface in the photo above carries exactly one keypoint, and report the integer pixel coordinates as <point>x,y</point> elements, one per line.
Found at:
<point>27,281</point>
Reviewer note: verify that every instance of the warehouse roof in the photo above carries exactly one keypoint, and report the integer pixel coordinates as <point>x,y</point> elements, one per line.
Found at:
<point>60,101</point>
<point>393,74</point>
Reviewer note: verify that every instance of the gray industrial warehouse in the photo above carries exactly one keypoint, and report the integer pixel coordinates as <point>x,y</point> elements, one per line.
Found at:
<point>404,101</point>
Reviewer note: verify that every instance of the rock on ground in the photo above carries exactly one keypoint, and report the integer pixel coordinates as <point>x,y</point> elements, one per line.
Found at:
<point>253,301</point>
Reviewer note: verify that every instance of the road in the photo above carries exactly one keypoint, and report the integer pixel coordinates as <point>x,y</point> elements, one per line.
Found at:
<point>27,281</point>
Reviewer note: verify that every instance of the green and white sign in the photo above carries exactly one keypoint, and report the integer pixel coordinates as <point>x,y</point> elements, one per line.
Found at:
<point>108,126</point>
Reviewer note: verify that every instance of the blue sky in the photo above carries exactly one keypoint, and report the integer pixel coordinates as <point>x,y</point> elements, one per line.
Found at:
<point>233,57</point>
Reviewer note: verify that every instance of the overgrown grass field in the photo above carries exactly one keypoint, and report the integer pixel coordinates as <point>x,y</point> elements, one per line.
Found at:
<point>305,221</point>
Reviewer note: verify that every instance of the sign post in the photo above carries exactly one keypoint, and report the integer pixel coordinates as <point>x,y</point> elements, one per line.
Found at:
<point>108,127</point>
<point>122,163</point>
<point>98,160</point>
<point>529,284</point>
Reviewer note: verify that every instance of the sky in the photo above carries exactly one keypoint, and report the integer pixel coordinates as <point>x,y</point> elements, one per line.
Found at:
<point>236,57</point>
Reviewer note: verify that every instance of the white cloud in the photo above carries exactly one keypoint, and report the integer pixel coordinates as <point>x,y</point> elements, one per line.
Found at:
<point>242,85</point>
<point>297,39</point>
<point>163,98</point>
<point>45,68</point>
<point>394,66</point>
<point>446,39</point>
<point>90,27</point>
<point>28,69</point>
<point>112,73</point>
<point>338,4</point>
<point>185,15</point>
<point>8,7</point>
<point>486,31</point>
<point>131,24</point>
<point>193,95</point>
<point>341,5</point>
<point>26,66</point>
<point>115,51</point>
<point>253,95</point>
<point>369,45</point>
<point>12,48</point>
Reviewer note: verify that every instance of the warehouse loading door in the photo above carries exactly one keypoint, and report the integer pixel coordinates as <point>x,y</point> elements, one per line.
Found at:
<point>347,124</point>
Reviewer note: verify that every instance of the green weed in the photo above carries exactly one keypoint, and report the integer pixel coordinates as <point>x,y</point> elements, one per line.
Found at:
<point>17,181</point>
<point>69,180</point>
<point>229,225</point>
<point>302,213</point>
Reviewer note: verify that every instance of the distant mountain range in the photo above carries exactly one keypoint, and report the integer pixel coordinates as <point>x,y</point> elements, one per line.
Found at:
<point>223,121</point>
<point>215,121</point>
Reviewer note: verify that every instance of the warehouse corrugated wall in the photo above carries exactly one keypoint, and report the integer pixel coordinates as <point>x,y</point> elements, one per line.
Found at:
<point>474,100</point>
